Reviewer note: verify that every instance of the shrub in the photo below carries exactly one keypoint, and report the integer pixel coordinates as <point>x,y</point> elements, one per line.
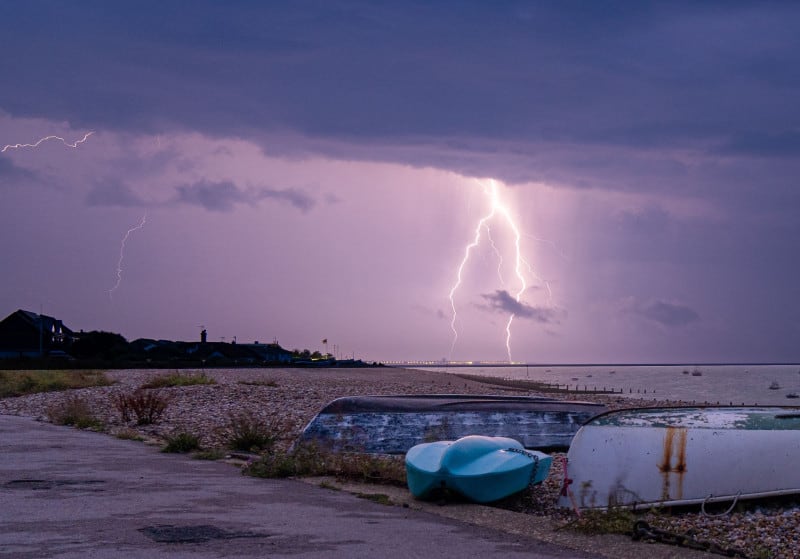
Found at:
<point>73,411</point>
<point>248,433</point>
<point>181,442</point>
<point>179,379</point>
<point>146,405</point>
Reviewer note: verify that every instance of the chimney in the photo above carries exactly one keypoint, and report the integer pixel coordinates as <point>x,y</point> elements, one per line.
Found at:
<point>203,336</point>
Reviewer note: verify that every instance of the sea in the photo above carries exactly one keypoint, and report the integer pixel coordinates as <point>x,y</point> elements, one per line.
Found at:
<point>736,384</point>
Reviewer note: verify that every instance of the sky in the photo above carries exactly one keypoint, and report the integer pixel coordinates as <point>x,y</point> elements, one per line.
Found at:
<point>543,182</point>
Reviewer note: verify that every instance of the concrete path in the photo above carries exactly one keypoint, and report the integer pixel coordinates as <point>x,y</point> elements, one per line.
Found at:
<point>71,494</point>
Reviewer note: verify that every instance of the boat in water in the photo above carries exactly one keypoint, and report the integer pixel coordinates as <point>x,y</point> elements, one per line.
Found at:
<point>394,424</point>
<point>683,456</point>
<point>483,469</point>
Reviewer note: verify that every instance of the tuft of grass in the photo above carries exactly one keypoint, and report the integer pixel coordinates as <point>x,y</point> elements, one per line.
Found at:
<point>129,435</point>
<point>19,383</point>
<point>210,454</point>
<point>179,379</point>
<point>380,498</point>
<point>147,406</point>
<point>73,411</point>
<point>271,383</point>
<point>310,460</point>
<point>248,433</point>
<point>181,442</point>
<point>611,521</point>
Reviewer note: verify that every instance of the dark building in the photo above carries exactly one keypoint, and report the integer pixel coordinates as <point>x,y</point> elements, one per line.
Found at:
<point>27,334</point>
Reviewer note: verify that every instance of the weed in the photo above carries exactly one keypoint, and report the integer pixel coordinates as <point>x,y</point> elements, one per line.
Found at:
<point>328,485</point>
<point>310,460</point>
<point>179,379</point>
<point>146,405</point>
<point>379,498</point>
<point>73,411</point>
<point>18,383</point>
<point>247,433</point>
<point>181,442</point>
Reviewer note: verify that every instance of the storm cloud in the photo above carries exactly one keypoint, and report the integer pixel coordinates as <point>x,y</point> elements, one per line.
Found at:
<point>223,196</point>
<point>502,301</point>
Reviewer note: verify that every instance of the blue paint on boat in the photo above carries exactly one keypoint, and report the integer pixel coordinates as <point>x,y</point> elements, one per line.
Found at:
<point>393,424</point>
<point>483,469</point>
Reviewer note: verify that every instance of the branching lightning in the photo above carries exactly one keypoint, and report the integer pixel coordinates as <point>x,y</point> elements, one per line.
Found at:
<point>122,254</point>
<point>37,143</point>
<point>497,209</point>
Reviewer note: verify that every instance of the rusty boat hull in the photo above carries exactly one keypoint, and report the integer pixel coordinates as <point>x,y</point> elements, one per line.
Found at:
<point>683,456</point>
<point>394,424</point>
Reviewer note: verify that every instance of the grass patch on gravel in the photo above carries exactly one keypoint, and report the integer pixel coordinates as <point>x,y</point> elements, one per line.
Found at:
<point>179,379</point>
<point>19,383</point>
<point>74,411</point>
<point>612,521</point>
<point>310,460</point>
<point>181,443</point>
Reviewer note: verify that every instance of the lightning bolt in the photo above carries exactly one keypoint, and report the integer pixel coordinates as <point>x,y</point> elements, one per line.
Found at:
<point>36,144</point>
<point>497,209</point>
<point>122,254</point>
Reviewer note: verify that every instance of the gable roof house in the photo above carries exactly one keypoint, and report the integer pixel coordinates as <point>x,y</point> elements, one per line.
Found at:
<point>27,334</point>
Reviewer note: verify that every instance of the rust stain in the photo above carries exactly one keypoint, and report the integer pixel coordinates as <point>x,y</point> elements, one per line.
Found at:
<point>673,446</point>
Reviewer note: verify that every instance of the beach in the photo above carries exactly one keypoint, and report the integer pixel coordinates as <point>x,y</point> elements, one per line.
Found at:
<point>289,398</point>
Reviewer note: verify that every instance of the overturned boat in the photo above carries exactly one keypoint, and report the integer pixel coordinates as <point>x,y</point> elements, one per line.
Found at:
<point>394,424</point>
<point>683,456</point>
<point>483,469</point>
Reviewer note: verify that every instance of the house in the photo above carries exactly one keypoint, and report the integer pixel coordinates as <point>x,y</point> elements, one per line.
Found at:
<point>27,334</point>
<point>270,353</point>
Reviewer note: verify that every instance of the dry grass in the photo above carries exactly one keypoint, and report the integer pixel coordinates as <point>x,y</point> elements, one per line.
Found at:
<point>19,383</point>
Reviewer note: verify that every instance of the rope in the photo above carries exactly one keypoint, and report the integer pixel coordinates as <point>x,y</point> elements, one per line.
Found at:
<point>727,512</point>
<point>565,489</point>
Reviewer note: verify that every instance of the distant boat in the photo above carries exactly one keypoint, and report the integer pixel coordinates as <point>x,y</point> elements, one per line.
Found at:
<point>697,373</point>
<point>483,469</point>
<point>793,395</point>
<point>394,424</point>
<point>681,456</point>
<point>774,385</point>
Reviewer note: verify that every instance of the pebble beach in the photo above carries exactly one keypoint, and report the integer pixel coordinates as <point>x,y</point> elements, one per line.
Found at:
<point>289,399</point>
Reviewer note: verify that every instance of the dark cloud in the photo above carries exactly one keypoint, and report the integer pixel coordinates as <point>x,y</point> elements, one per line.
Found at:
<point>10,173</point>
<point>223,196</point>
<point>113,193</point>
<point>670,315</point>
<point>502,301</point>
<point>678,74</point>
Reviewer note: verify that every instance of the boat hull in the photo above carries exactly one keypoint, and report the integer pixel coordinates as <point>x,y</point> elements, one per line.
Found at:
<point>394,424</point>
<point>483,469</point>
<point>682,456</point>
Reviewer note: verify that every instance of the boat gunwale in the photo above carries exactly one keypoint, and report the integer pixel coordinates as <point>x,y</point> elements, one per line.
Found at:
<point>622,411</point>
<point>406,403</point>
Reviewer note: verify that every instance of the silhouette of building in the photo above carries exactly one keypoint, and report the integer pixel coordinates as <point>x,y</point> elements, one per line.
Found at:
<point>27,334</point>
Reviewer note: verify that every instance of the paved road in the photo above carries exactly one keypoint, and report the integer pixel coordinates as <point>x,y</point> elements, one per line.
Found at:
<point>66,493</point>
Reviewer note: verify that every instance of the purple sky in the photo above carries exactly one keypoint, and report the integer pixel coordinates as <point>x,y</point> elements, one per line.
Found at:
<point>315,170</point>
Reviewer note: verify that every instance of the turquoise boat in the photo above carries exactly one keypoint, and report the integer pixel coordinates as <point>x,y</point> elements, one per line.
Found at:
<point>481,468</point>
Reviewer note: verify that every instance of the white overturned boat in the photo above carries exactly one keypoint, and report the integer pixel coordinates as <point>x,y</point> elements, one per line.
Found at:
<point>682,456</point>
<point>394,424</point>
